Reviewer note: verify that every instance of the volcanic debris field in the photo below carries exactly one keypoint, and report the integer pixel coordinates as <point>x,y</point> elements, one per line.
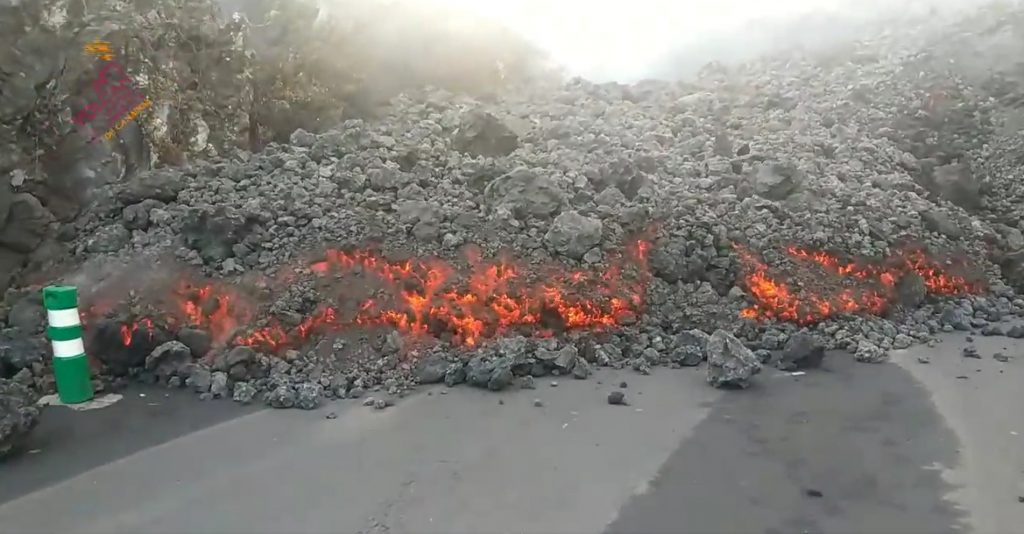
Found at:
<point>863,201</point>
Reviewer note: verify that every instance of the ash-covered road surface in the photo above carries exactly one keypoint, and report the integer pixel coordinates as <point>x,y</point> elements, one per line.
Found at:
<point>904,447</point>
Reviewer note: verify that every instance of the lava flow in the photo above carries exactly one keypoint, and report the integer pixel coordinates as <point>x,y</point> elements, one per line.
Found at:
<point>423,297</point>
<point>874,285</point>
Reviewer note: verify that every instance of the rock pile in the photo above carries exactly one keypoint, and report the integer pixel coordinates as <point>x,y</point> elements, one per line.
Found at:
<point>856,154</point>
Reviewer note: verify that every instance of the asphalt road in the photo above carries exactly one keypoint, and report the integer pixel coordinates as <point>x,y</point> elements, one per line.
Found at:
<point>892,448</point>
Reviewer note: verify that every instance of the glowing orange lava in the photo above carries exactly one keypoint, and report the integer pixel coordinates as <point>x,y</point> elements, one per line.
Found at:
<point>432,297</point>
<point>873,292</point>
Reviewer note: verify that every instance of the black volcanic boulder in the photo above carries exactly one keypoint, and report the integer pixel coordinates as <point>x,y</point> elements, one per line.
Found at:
<point>18,415</point>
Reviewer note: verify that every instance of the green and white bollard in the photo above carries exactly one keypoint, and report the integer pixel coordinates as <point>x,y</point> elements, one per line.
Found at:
<point>70,364</point>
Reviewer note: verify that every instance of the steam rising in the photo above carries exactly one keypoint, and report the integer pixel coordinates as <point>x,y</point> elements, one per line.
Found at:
<point>625,41</point>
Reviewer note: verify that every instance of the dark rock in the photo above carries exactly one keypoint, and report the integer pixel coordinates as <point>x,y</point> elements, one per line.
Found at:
<point>572,234</point>
<point>482,134</point>
<point>1016,332</point>
<point>617,398</point>
<point>868,352</point>
<point>219,385</point>
<point>21,352</point>
<point>730,363</point>
<point>198,341</point>
<point>161,184</point>
<point>213,235</point>
<point>525,193</point>
<point>941,223</point>
<point>802,351</point>
<point>18,415</point>
<point>282,397</point>
<point>956,317</point>
<point>169,359</point>
<point>992,330</point>
<point>776,181</point>
<point>28,222</point>
<point>431,370</point>
<point>28,315</point>
<point>243,393</point>
<point>1000,357</point>
<point>970,352</point>
<point>690,348</point>
<point>957,184</point>
<point>199,378</point>
<point>308,396</point>
<point>911,291</point>
<point>456,374</point>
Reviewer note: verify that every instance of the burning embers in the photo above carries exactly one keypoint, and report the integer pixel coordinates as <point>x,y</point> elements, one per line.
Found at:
<point>462,305</point>
<point>847,286</point>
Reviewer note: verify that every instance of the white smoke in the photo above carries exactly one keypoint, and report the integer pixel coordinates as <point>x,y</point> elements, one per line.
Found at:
<point>625,40</point>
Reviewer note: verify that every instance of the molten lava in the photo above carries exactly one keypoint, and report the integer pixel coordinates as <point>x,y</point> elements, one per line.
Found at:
<point>431,297</point>
<point>428,297</point>
<point>873,291</point>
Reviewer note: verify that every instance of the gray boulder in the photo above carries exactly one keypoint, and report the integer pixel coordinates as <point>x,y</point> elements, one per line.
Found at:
<point>169,359</point>
<point>776,181</point>
<point>572,234</point>
<point>802,351</point>
<point>482,134</point>
<point>525,193</point>
<point>690,348</point>
<point>730,363</point>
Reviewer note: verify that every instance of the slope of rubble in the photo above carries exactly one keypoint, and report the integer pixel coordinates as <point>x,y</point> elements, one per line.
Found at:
<point>867,201</point>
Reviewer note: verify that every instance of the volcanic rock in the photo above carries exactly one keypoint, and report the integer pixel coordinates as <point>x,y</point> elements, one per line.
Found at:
<point>525,192</point>
<point>572,234</point>
<point>18,415</point>
<point>21,352</point>
<point>941,222</point>
<point>28,222</point>
<point>219,385</point>
<point>284,396</point>
<point>482,134</point>
<point>432,369</point>
<point>243,392</point>
<point>802,351</point>
<point>162,185</point>
<point>213,234</point>
<point>617,398</point>
<point>868,352</point>
<point>776,181</point>
<point>198,341</point>
<point>108,239</point>
<point>730,363</point>
<point>957,184</point>
<point>308,396</point>
<point>956,317</point>
<point>911,290</point>
<point>581,370</point>
<point>28,315</point>
<point>1016,332</point>
<point>169,359</point>
<point>199,378</point>
<point>690,348</point>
